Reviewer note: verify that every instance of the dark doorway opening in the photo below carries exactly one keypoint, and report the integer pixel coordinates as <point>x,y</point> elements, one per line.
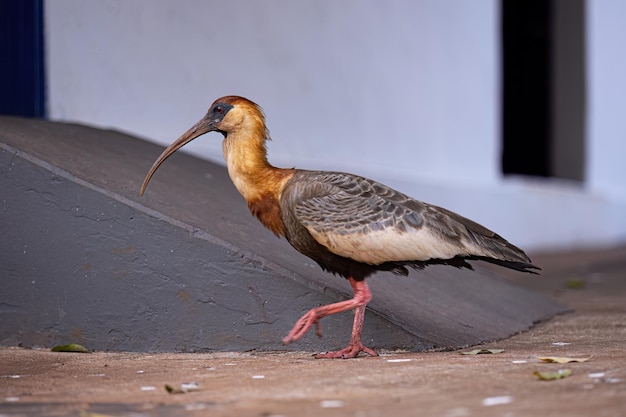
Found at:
<point>526,80</point>
<point>543,91</point>
<point>22,80</point>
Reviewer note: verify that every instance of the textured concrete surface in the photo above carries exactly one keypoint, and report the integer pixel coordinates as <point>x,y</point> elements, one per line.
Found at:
<point>186,268</point>
<point>434,383</point>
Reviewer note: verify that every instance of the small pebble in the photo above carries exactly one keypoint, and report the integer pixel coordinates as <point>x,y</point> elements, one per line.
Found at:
<point>490,401</point>
<point>12,399</point>
<point>189,386</point>
<point>195,407</point>
<point>399,360</point>
<point>519,361</point>
<point>258,376</point>
<point>561,343</point>
<point>331,404</point>
<point>148,388</point>
<point>458,412</point>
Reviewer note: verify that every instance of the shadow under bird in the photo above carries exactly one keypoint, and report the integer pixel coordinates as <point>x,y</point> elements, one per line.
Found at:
<point>350,225</point>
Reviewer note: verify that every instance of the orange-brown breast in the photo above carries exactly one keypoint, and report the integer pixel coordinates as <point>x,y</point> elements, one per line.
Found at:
<point>267,210</point>
<point>264,203</point>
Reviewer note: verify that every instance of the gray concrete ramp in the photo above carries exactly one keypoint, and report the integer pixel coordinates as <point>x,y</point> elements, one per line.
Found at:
<point>84,259</point>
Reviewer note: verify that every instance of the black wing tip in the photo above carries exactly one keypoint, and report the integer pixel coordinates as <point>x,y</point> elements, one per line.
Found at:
<point>515,265</point>
<point>461,262</point>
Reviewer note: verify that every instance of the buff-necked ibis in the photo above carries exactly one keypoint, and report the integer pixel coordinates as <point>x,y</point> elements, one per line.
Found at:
<point>350,225</point>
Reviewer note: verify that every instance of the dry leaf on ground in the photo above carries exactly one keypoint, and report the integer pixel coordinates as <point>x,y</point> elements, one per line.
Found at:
<point>561,359</point>
<point>185,387</point>
<point>72,347</point>
<point>551,376</point>
<point>482,351</point>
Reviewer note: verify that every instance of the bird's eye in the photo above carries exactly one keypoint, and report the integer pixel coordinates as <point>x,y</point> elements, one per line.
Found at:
<point>218,110</point>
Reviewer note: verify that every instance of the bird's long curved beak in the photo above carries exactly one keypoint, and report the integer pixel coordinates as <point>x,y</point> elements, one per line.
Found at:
<point>203,126</point>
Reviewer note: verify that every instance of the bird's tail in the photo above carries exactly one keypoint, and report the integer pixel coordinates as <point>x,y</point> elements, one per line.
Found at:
<point>490,247</point>
<point>516,265</point>
<point>461,262</point>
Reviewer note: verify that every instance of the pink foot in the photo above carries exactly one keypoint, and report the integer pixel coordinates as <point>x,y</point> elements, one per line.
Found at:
<point>303,325</point>
<point>352,351</point>
<point>362,296</point>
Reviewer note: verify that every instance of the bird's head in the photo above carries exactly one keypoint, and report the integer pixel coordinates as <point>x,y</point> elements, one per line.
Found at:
<point>227,115</point>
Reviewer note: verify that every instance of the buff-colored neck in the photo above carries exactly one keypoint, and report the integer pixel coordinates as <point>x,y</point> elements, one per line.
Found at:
<point>246,157</point>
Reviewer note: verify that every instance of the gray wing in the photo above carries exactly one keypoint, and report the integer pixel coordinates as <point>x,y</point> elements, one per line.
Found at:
<point>366,221</point>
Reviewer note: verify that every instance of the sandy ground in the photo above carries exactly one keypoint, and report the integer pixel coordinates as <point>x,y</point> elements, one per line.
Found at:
<point>40,382</point>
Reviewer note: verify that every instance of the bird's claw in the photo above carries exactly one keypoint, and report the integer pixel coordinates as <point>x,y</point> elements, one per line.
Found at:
<point>352,351</point>
<point>318,328</point>
<point>303,325</point>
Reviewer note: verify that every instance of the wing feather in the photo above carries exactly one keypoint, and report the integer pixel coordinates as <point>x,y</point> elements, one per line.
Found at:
<point>366,221</point>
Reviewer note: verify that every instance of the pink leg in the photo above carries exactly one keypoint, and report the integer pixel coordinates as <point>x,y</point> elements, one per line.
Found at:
<point>355,346</point>
<point>362,296</point>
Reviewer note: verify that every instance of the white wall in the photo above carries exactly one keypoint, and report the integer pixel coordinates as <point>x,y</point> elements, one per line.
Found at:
<point>406,92</point>
<point>607,97</point>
